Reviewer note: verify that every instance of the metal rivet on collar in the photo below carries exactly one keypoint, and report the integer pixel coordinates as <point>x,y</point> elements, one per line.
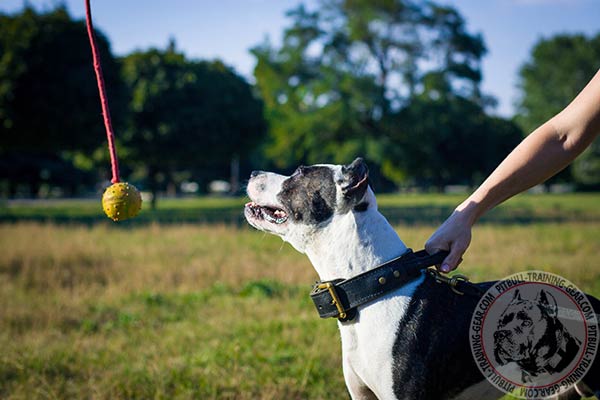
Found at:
<point>382,280</point>
<point>396,274</point>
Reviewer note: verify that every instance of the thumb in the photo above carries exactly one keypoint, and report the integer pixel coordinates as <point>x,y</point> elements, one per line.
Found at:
<point>453,259</point>
<point>433,246</point>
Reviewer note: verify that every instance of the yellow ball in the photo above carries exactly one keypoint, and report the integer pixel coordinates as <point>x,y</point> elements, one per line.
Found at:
<point>121,201</point>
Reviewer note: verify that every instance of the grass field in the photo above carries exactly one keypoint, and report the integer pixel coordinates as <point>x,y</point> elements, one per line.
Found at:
<point>399,209</point>
<point>218,311</point>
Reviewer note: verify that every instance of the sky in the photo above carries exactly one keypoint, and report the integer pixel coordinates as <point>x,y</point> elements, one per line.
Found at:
<point>227,29</point>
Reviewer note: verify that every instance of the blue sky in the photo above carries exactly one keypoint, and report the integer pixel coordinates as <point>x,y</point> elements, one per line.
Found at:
<point>226,29</point>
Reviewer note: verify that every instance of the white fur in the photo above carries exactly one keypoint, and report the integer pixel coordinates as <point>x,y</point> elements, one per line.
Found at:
<point>346,246</point>
<point>350,244</point>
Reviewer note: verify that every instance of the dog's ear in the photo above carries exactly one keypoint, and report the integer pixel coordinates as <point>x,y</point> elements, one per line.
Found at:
<point>355,181</point>
<point>516,296</point>
<point>547,302</point>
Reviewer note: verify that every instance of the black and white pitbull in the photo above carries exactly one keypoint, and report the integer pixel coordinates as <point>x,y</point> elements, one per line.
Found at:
<point>530,334</point>
<point>411,343</point>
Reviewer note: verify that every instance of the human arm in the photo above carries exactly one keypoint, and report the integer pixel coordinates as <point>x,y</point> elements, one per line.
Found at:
<point>542,154</point>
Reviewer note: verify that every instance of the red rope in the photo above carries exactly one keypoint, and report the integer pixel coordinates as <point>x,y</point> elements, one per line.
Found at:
<point>103,100</point>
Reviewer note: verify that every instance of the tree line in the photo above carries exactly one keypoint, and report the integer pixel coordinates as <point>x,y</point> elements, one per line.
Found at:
<point>397,82</point>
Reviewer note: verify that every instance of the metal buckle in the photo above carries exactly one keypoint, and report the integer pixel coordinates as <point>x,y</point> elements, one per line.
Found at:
<point>450,281</point>
<point>336,300</point>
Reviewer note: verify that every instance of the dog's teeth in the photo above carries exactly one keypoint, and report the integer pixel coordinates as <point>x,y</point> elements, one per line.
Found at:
<point>269,214</point>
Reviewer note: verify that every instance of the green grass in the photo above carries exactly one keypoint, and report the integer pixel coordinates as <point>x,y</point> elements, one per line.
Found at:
<point>400,209</point>
<point>159,312</point>
<point>201,209</point>
<point>212,343</point>
<point>216,311</point>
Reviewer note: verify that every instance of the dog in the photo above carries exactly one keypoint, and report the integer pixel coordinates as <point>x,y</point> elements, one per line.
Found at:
<point>411,343</point>
<point>530,334</point>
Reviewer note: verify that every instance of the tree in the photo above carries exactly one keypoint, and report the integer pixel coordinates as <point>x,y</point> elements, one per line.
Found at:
<point>447,140</point>
<point>338,85</point>
<point>557,71</point>
<point>586,169</point>
<point>49,106</point>
<point>187,115</point>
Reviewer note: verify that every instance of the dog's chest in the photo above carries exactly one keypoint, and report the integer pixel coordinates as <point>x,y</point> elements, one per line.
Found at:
<point>403,342</point>
<point>368,342</point>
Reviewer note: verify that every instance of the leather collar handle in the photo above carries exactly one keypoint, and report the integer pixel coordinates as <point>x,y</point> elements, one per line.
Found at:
<point>339,298</point>
<point>427,260</point>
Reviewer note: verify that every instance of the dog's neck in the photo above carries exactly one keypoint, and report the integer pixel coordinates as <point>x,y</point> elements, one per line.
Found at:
<point>353,243</point>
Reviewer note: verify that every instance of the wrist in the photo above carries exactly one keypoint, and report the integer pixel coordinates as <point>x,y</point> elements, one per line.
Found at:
<point>468,212</point>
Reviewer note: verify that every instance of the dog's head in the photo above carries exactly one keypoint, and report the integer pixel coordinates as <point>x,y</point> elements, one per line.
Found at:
<point>295,206</point>
<point>524,330</point>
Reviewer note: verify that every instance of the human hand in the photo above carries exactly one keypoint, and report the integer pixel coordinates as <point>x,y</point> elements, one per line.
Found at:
<point>453,235</point>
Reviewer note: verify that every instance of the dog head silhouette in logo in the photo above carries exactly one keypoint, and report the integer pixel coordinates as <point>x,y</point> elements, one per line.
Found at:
<point>530,334</point>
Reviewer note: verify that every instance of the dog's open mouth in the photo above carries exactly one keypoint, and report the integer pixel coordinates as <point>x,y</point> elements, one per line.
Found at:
<point>270,214</point>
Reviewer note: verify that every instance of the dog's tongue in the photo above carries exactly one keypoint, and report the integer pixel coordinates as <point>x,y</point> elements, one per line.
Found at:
<point>280,214</point>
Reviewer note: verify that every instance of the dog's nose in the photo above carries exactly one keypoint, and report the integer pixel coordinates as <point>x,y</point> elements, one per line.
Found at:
<point>255,173</point>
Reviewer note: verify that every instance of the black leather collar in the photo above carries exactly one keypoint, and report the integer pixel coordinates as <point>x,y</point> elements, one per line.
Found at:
<point>340,298</point>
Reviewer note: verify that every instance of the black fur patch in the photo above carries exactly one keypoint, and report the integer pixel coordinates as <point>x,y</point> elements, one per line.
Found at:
<point>309,195</point>
<point>432,357</point>
<point>431,353</point>
<point>361,207</point>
